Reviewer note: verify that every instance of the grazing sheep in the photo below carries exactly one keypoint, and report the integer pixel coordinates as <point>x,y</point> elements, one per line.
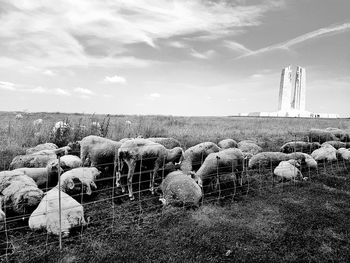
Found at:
<point>46,215</point>
<point>40,147</point>
<point>326,153</point>
<point>195,156</point>
<point>344,153</point>
<point>300,146</point>
<point>68,162</point>
<point>227,143</point>
<point>180,189</point>
<point>85,175</point>
<point>230,160</point>
<point>340,134</point>
<point>151,153</point>
<point>43,177</point>
<point>19,117</point>
<point>37,159</point>
<point>168,143</point>
<point>62,126</point>
<point>337,144</point>
<point>19,192</point>
<point>98,150</point>
<point>321,136</point>
<point>303,159</point>
<point>288,170</point>
<point>249,147</point>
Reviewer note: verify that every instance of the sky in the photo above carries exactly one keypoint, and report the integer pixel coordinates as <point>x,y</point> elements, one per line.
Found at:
<point>171,57</point>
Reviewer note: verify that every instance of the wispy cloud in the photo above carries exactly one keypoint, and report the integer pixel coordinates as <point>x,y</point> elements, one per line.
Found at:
<point>115,79</point>
<point>237,47</point>
<point>98,33</point>
<point>322,32</point>
<point>202,55</point>
<point>49,72</point>
<point>83,91</point>
<point>7,85</point>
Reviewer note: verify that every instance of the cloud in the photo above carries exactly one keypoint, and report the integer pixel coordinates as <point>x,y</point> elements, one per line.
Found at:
<point>115,79</point>
<point>154,96</point>
<point>59,91</point>
<point>39,90</point>
<point>204,55</point>
<point>83,91</point>
<point>99,33</point>
<point>177,44</point>
<point>7,85</point>
<point>49,73</point>
<point>237,47</point>
<point>322,32</point>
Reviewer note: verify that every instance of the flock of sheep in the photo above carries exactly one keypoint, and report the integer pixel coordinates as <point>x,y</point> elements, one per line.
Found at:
<point>39,178</point>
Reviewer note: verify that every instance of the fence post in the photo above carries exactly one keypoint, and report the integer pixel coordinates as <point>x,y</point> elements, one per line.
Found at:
<point>217,177</point>
<point>59,153</point>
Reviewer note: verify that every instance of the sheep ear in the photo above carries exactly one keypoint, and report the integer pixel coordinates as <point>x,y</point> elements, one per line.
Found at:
<point>70,184</point>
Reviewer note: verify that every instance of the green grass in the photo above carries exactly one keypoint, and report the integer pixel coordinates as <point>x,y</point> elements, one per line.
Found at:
<point>305,222</point>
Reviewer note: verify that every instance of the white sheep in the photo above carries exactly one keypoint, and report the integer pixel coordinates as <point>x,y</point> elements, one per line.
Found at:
<point>167,142</point>
<point>38,123</point>
<point>228,160</point>
<point>98,150</point>
<point>288,170</point>
<point>19,116</point>
<point>344,153</point>
<point>337,144</point>
<point>321,136</point>
<point>151,154</point>
<point>227,143</point>
<point>249,147</point>
<point>195,156</point>
<point>70,162</point>
<point>19,192</point>
<point>180,189</point>
<point>40,147</point>
<point>86,175</point>
<point>46,215</point>
<point>43,177</point>
<point>326,153</point>
<point>300,146</point>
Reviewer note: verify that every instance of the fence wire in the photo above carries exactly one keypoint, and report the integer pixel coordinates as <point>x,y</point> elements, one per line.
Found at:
<point>227,182</point>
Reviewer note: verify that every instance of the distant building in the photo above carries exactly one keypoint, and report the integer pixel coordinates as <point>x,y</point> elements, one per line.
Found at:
<point>292,99</point>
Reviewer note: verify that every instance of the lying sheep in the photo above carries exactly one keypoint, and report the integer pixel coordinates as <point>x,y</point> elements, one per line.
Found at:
<point>180,189</point>
<point>321,136</point>
<point>98,151</point>
<point>168,143</point>
<point>339,133</point>
<point>344,153</point>
<point>40,147</point>
<point>249,147</point>
<point>230,160</point>
<point>337,144</point>
<point>85,175</point>
<point>19,192</point>
<point>300,146</point>
<point>153,155</point>
<point>46,215</point>
<point>43,177</point>
<point>37,159</point>
<point>303,158</point>
<point>326,153</point>
<point>227,143</point>
<point>288,170</point>
<point>68,162</point>
<point>195,156</point>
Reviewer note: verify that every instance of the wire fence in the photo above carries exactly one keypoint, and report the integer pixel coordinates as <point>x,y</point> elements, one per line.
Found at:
<point>108,209</point>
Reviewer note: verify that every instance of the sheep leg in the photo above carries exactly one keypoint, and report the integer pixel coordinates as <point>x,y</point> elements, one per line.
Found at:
<point>156,167</point>
<point>119,175</point>
<point>131,164</point>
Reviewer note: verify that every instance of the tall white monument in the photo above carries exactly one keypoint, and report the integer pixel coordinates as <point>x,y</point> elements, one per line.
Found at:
<point>299,90</point>
<point>285,90</point>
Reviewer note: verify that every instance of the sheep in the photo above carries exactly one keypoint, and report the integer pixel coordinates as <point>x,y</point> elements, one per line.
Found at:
<point>98,150</point>
<point>344,153</point>
<point>180,189</point>
<point>60,126</point>
<point>326,153</point>
<point>321,136</point>
<point>195,155</point>
<point>249,147</point>
<point>337,144</point>
<point>37,159</point>
<point>339,133</point>
<point>68,162</point>
<point>40,147</point>
<point>227,143</point>
<point>86,175</point>
<point>38,123</point>
<point>168,143</point>
<point>267,159</point>
<point>19,192</point>
<point>43,177</point>
<point>19,116</point>
<point>46,215</point>
<point>300,146</point>
<point>287,170</point>
<point>149,152</point>
<point>226,160</point>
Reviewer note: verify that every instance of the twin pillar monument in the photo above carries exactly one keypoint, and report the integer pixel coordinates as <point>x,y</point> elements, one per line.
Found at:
<point>292,97</point>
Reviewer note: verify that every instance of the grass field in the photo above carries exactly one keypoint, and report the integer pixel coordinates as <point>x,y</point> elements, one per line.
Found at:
<point>304,222</point>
